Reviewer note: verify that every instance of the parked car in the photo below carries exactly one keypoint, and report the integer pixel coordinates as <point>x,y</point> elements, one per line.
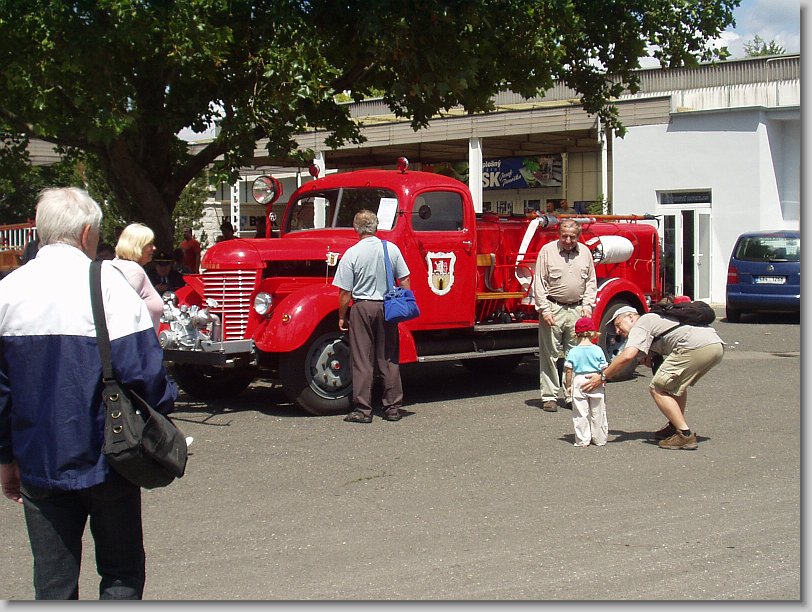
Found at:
<point>764,274</point>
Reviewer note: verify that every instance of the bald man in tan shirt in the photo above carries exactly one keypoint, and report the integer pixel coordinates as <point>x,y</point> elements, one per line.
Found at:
<point>564,289</point>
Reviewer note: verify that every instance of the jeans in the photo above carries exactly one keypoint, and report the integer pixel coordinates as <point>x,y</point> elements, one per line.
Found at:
<point>56,521</point>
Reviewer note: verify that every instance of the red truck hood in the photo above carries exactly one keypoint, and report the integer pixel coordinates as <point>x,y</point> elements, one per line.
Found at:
<point>254,253</point>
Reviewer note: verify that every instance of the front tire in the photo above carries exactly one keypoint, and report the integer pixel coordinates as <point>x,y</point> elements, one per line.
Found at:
<point>611,342</point>
<point>210,383</point>
<point>318,375</point>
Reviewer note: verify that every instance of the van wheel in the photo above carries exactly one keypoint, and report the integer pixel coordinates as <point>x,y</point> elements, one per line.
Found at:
<point>732,315</point>
<point>610,342</point>
<point>318,375</point>
<point>210,383</point>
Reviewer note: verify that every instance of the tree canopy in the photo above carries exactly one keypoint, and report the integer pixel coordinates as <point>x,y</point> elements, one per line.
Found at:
<point>119,79</point>
<point>758,47</point>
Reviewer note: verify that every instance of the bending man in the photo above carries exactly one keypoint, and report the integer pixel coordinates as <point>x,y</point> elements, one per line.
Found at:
<point>690,353</point>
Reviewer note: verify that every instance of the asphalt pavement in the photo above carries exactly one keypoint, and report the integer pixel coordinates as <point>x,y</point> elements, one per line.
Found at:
<point>478,494</point>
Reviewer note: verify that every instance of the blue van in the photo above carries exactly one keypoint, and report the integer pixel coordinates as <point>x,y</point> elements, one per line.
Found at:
<point>764,274</point>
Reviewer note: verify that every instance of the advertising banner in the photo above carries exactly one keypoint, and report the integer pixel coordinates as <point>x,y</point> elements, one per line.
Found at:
<point>509,172</point>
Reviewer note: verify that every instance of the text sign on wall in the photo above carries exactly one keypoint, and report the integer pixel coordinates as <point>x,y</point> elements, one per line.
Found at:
<point>509,172</point>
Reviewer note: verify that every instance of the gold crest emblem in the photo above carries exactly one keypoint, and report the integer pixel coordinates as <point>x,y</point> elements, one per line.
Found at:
<point>441,271</point>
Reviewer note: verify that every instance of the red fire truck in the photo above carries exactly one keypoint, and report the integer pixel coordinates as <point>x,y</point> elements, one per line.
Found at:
<point>267,307</point>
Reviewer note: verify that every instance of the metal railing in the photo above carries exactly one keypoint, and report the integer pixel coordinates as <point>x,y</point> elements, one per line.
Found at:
<point>14,237</point>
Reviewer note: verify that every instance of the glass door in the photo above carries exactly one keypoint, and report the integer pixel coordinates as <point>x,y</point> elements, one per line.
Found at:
<point>702,261</point>
<point>686,262</point>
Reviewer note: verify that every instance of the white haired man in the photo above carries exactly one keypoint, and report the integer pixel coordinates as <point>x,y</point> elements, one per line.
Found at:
<point>51,409</point>
<point>690,353</point>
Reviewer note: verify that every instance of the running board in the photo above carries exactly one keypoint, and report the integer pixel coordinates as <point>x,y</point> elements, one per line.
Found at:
<point>479,354</point>
<point>492,327</point>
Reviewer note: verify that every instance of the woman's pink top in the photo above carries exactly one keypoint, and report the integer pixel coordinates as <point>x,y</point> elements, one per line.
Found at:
<point>137,277</point>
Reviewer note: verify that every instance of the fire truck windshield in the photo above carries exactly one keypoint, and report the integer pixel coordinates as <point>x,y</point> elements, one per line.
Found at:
<point>334,207</point>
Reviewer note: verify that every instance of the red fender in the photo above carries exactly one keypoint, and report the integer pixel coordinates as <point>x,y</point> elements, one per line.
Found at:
<point>611,288</point>
<point>294,319</point>
<point>408,350</point>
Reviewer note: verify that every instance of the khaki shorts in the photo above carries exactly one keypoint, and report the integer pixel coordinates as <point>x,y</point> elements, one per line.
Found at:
<point>684,367</point>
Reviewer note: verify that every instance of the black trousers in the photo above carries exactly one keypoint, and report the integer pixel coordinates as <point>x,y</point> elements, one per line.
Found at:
<point>56,521</point>
<point>374,348</point>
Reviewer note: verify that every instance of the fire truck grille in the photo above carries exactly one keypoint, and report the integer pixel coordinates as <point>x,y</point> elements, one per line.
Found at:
<point>232,289</point>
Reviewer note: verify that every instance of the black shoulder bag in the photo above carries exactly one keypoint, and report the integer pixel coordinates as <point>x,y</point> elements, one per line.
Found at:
<point>140,443</point>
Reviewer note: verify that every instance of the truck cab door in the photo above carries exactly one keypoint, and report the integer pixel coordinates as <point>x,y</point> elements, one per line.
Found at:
<point>442,259</point>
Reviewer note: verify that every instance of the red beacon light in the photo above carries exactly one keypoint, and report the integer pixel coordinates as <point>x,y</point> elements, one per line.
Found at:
<point>403,164</point>
<point>314,170</point>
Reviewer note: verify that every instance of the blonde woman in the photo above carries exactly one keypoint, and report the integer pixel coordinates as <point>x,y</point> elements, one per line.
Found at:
<point>133,251</point>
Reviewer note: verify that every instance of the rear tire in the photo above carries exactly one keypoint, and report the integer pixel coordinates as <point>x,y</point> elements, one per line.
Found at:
<point>318,375</point>
<point>732,315</point>
<point>610,342</point>
<point>210,383</point>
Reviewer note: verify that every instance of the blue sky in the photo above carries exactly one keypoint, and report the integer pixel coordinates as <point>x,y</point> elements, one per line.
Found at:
<point>778,20</point>
<point>772,20</point>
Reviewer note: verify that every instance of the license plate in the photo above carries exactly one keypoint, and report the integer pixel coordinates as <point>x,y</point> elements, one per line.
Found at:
<point>770,280</point>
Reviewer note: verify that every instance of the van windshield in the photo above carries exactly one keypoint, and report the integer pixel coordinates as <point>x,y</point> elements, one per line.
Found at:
<point>769,248</point>
<point>334,207</point>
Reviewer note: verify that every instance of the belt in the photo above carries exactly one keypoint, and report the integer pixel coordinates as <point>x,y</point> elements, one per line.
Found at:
<point>365,300</point>
<point>578,303</point>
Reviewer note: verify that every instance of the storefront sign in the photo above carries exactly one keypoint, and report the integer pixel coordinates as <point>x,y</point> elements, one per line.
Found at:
<point>509,172</point>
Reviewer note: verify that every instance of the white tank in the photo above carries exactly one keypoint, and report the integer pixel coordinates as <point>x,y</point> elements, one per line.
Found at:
<point>610,249</point>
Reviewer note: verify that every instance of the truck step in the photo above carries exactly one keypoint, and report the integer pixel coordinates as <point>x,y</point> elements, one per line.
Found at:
<point>500,295</point>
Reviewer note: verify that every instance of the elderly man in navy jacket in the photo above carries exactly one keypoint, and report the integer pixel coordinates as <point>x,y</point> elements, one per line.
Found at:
<point>51,409</point>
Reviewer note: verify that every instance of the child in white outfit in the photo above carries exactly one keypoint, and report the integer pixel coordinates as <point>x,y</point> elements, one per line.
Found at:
<point>588,409</point>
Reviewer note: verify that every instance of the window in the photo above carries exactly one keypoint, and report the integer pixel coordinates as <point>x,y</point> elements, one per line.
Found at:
<point>769,248</point>
<point>504,208</point>
<point>334,207</point>
<point>438,211</point>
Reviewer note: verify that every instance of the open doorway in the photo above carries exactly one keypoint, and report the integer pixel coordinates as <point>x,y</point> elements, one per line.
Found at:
<point>686,260</point>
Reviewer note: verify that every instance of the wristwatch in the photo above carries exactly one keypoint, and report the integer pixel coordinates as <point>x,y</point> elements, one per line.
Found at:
<point>603,377</point>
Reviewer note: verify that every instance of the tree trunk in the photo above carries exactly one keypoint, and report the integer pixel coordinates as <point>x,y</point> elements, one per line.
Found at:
<point>141,199</point>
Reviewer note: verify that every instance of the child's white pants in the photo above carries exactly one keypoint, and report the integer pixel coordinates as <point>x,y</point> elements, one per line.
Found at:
<point>589,413</point>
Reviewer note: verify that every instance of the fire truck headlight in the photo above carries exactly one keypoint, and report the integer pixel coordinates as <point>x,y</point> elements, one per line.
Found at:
<point>262,303</point>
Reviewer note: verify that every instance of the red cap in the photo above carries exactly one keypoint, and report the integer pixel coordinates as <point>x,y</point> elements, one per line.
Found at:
<point>584,324</point>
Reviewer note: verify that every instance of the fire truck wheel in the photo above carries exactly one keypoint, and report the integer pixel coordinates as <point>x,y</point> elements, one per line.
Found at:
<point>318,376</point>
<point>503,364</point>
<point>208,383</point>
<point>610,342</point>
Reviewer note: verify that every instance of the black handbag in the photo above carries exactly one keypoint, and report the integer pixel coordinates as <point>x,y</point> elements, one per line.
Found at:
<point>398,303</point>
<point>140,443</point>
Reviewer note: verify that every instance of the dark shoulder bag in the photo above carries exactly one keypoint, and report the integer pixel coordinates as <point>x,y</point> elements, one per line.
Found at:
<point>140,443</point>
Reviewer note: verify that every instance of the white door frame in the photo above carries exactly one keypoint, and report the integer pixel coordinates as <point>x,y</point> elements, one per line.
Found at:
<point>693,280</point>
